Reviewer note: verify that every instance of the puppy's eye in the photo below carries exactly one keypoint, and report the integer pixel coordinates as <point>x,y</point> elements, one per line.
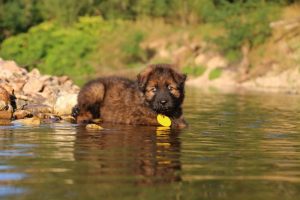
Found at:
<point>153,89</point>
<point>170,87</point>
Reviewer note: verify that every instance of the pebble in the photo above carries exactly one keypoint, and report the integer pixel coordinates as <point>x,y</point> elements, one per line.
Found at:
<point>94,126</point>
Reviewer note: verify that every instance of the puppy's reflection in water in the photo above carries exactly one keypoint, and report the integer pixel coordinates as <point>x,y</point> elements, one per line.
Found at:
<point>147,155</point>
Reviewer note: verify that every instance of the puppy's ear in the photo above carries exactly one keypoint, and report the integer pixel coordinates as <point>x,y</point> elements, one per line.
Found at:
<point>179,78</point>
<point>142,78</point>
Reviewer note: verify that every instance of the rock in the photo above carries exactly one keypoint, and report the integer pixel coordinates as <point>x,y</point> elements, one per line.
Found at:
<point>49,116</point>
<point>6,107</point>
<point>17,85</point>
<point>68,83</point>
<point>94,126</point>
<point>179,55</point>
<point>5,100</point>
<point>38,108</point>
<point>20,104</point>
<point>34,94</point>
<point>200,59</point>
<point>5,114</point>
<point>216,61</point>
<point>9,68</point>
<point>4,95</point>
<point>8,88</point>
<point>33,85</point>
<point>97,121</point>
<point>21,114</point>
<point>63,79</point>
<point>29,121</point>
<point>75,88</point>
<point>3,105</point>
<point>68,118</point>
<point>34,73</point>
<point>65,103</point>
<point>45,78</point>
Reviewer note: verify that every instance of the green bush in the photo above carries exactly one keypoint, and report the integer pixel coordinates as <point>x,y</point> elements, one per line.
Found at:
<point>244,22</point>
<point>215,73</point>
<point>132,49</point>
<point>194,70</point>
<point>17,16</point>
<point>54,49</point>
<point>65,12</point>
<point>91,44</point>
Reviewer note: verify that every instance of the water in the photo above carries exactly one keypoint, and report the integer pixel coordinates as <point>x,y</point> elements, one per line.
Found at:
<point>238,146</point>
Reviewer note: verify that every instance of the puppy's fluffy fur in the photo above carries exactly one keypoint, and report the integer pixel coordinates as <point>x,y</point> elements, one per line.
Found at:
<point>159,89</point>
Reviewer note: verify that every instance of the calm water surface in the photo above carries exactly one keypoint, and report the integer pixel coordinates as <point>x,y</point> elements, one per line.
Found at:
<point>238,146</point>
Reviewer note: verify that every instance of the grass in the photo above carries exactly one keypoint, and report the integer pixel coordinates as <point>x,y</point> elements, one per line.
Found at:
<point>194,70</point>
<point>215,73</point>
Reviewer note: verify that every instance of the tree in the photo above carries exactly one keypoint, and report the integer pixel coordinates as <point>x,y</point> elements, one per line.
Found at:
<point>17,16</point>
<point>64,12</point>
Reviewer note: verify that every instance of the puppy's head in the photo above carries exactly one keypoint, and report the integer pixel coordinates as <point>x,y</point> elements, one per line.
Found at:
<point>163,88</point>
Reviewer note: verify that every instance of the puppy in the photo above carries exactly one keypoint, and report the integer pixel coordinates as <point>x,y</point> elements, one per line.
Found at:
<point>159,89</point>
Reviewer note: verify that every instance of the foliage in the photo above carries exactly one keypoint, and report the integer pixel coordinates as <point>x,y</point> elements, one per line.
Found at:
<point>17,16</point>
<point>194,70</point>
<point>131,48</point>
<point>64,12</point>
<point>53,35</point>
<point>55,50</point>
<point>244,23</point>
<point>91,43</point>
<point>215,73</point>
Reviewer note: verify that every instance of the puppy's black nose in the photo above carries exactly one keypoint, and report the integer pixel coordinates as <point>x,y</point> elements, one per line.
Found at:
<point>163,102</point>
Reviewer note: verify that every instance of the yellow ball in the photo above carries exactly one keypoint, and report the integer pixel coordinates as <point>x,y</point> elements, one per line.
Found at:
<point>164,120</point>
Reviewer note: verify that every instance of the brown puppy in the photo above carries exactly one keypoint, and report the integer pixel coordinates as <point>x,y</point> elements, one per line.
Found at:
<point>159,89</point>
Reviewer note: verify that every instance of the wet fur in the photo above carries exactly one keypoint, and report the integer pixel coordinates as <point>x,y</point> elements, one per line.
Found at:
<point>159,89</point>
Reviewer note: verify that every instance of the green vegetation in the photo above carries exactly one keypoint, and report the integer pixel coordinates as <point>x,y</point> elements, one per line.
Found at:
<point>85,37</point>
<point>55,50</point>
<point>132,49</point>
<point>194,71</point>
<point>244,23</point>
<point>215,73</point>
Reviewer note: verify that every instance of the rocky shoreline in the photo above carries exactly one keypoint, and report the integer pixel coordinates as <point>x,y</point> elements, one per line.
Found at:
<point>31,98</point>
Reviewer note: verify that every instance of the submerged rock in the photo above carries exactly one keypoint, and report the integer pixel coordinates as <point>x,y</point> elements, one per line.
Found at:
<point>68,118</point>
<point>29,121</point>
<point>94,126</point>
